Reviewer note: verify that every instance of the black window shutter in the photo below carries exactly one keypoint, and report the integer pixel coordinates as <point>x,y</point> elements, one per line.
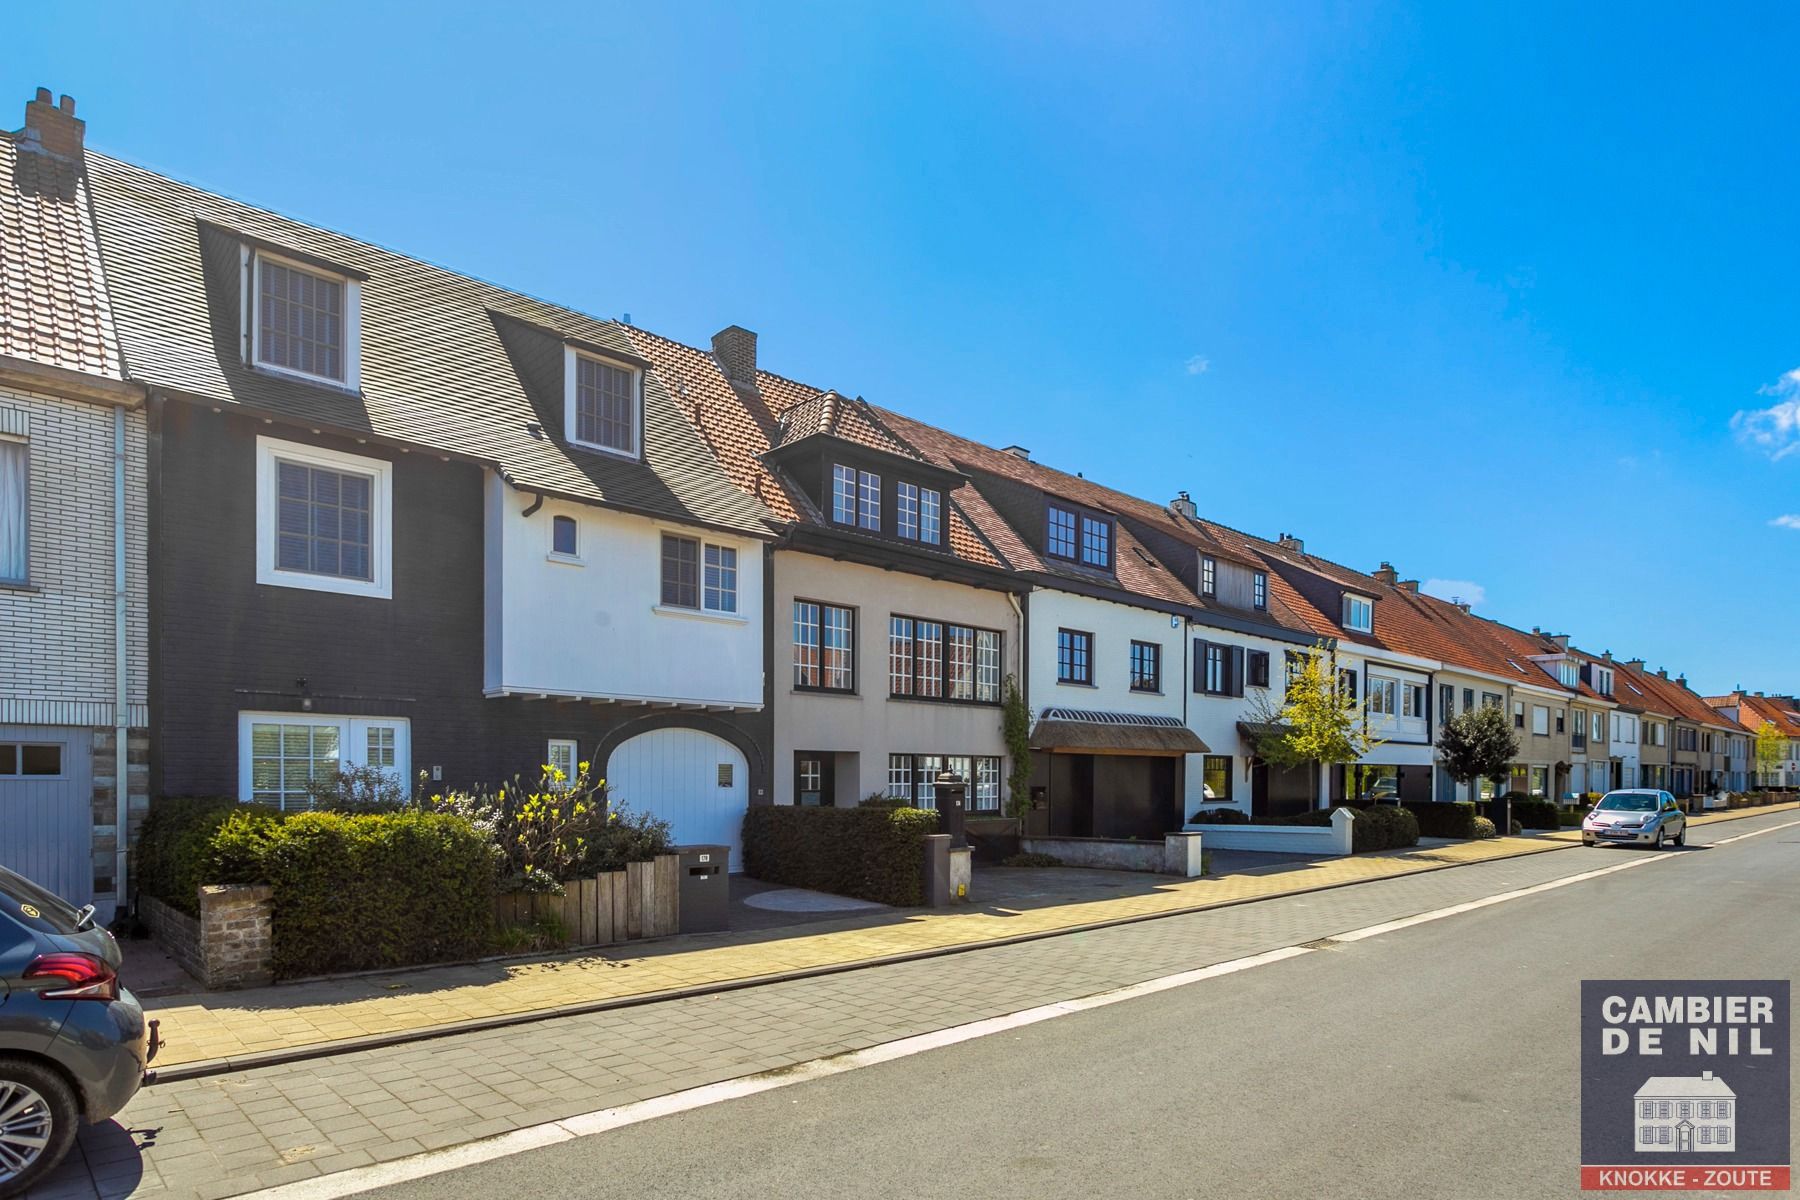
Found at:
<point>1199,665</point>
<point>1237,671</point>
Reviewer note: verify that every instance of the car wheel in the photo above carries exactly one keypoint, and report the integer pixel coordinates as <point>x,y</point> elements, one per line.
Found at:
<point>1681,838</point>
<point>38,1116</point>
<point>1587,841</point>
<point>1660,834</point>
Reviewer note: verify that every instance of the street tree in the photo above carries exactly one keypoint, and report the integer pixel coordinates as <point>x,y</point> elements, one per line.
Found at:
<point>1479,743</point>
<point>1321,721</point>
<point>1771,749</point>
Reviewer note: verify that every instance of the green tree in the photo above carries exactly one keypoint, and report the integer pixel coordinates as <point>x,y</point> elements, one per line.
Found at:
<point>1015,725</point>
<point>1771,749</point>
<point>1321,721</point>
<point>1479,744</point>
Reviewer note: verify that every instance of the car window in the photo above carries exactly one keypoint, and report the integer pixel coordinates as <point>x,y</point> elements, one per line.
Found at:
<point>35,908</point>
<point>1628,803</point>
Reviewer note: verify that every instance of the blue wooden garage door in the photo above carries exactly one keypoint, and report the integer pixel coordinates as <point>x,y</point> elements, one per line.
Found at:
<point>46,807</point>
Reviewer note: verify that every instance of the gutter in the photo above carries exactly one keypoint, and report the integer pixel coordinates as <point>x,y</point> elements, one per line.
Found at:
<point>121,672</point>
<point>39,377</point>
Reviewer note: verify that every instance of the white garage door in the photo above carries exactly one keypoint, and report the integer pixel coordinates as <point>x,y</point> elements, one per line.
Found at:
<point>696,782</point>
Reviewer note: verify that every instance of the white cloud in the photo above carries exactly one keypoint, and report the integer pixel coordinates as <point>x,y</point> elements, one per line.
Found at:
<point>1465,590</point>
<point>1775,430</point>
<point>1787,521</point>
<point>1198,365</point>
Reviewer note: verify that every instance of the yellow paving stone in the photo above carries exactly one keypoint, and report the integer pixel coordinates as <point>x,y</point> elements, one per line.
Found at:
<point>289,1016</point>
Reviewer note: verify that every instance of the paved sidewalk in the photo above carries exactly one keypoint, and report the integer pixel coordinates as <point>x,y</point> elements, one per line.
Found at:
<point>232,1030</point>
<point>200,1139</point>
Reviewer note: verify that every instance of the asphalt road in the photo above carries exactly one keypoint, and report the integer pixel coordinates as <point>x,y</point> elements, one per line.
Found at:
<point>1439,1060</point>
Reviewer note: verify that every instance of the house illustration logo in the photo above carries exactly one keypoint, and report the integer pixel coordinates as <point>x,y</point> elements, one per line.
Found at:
<point>1685,1085</point>
<point>1686,1114</point>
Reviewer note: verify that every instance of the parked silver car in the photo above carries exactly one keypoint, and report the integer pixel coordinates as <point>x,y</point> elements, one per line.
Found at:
<point>73,1043</point>
<point>1637,817</point>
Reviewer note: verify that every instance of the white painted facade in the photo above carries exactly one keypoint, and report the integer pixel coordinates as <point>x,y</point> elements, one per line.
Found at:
<point>1214,719</point>
<point>1624,729</point>
<point>1114,627</point>
<point>593,625</point>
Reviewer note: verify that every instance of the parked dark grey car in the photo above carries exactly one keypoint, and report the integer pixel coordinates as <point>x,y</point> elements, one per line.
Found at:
<point>73,1043</point>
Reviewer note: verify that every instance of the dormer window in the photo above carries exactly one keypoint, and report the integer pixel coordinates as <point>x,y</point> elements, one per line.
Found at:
<point>1568,673</point>
<point>1209,575</point>
<point>1603,680</point>
<point>1082,537</point>
<point>301,320</point>
<point>1359,613</point>
<point>856,497</point>
<point>918,513</point>
<point>1259,590</point>
<point>602,403</point>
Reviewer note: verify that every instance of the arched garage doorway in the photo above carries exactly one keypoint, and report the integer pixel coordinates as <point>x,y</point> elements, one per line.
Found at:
<point>698,783</point>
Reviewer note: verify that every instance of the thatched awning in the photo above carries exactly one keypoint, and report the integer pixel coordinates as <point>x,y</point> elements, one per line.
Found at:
<point>1255,731</point>
<point>1085,731</point>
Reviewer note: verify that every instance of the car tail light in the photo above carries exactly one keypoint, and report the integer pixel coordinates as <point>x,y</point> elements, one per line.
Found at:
<point>82,976</point>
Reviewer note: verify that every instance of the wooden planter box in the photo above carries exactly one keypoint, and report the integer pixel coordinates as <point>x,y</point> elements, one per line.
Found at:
<point>642,901</point>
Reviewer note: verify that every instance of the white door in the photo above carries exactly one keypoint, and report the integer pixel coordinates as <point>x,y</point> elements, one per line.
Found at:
<point>696,782</point>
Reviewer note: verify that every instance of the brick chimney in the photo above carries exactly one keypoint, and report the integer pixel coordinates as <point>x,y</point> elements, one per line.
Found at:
<point>1561,640</point>
<point>1662,672</point>
<point>1184,504</point>
<point>1288,541</point>
<point>1636,664</point>
<point>1462,604</point>
<point>1409,585</point>
<point>735,348</point>
<point>1385,573</point>
<point>53,128</point>
<point>1681,682</point>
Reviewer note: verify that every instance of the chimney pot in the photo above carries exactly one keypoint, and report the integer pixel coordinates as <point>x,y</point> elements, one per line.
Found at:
<point>54,130</point>
<point>735,348</point>
<point>1386,573</point>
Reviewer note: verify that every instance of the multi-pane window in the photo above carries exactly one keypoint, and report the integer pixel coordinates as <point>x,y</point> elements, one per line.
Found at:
<point>1061,542</point>
<point>1603,680</point>
<point>1074,656</point>
<point>1259,589</point>
<point>300,322</point>
<point>934,661</point>
<point>843,495</point>
<point>379,742</point>
<point>918,513</point>
<point>1490,699</point>
<point>1215,675</point>
<point>1209,575</point>
<point>698,575</point>
<point>824,638</point>
<point>1384,696</point>
<point>1518,714</point>
<point>1359,614</point>
<point>605,405</point>
<point>680,571</point>
<point>324,521</point>
<point>1568,673</point>
<point>15,510</point>
<point>1096,541</point>
<point>559,756</point>
<point>868,500</point>
<point>1562,720</point>
<point>913,778</point>
<point>718,591</point>
<point>1446,702</point>
<point>1257,668</point>
<point>1412,700</point>
<point>1146,667</point>
<point>285,758</point>
<point>562,536</point>
<point>1217,776</point>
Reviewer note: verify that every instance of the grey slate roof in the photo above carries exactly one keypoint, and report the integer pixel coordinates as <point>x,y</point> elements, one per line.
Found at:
<point>448,362</point>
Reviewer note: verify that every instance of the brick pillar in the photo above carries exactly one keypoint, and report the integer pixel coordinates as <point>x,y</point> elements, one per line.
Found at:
<point>236,939</point>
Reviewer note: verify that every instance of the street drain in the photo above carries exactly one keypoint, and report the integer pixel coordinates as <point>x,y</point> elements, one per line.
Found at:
<point>1323,943</point>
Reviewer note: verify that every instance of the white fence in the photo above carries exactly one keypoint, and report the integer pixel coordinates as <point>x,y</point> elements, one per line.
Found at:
<point>1321,840</point>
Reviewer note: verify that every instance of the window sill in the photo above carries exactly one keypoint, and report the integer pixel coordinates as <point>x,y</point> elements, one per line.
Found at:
<point>1076,683</point>
<point>820,691</point>
<point>567,560</point>
<point>944,700</point>
<point>376,590</point>
<point>699,614</point>
<point>318,381</point>
<point>1138,691</point>
<point>609,451</point>
<point>18,585</point>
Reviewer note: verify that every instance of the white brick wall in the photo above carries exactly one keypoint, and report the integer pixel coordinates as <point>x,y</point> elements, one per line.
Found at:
<point>56,638</point>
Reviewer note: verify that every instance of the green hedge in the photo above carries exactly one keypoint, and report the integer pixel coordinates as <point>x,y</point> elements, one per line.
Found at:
<point>174,848</point>
<point>352,892</point>
<point>1535,812</point>
<point>1383,827</point>
<point>869,853</point>
<point>1455,819</point>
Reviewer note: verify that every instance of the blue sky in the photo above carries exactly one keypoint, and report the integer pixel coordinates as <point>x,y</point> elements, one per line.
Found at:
<point>1480,293</point>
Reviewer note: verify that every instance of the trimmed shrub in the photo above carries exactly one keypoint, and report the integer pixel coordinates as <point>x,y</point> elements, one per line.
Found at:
<point>869,853</point>
<point>1571,818</point>
<point>1220,816</point>
<point>1455,819</point>
<point>174,850</point>
<point>1038,860</point>
<point>354,892</point>
<point>1484,828</point>
<point>1383,827</point>
<point>1535,812</point>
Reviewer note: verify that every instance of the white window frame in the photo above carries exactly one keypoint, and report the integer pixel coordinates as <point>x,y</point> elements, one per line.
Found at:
<point>571,380</point>
<point>563,556</point>
<point>353,741</point>
<point>734,614</point>
<point>1355,606</point>
<point>1382,693</point>
<point>15,430</point>
<point>1603,680</point>
<point>380,584</point>
<point>567,748</point>
<point>251,260</point>
<point>1540,716</point>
